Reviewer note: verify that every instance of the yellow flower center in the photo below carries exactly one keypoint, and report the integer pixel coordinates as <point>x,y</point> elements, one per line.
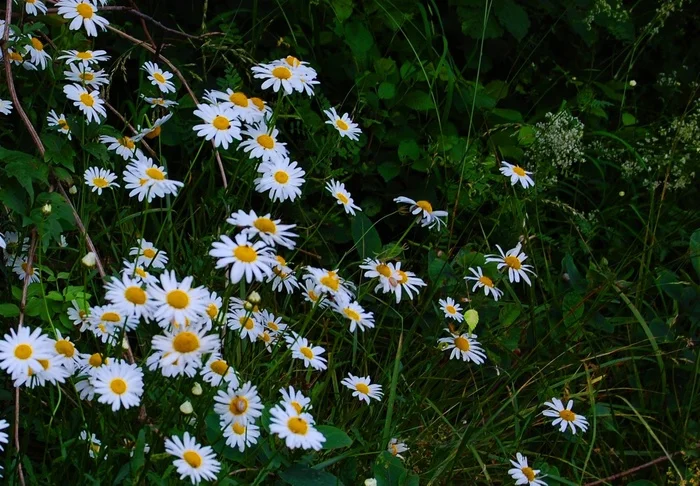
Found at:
<point>298,425</point>
<point>293,61</point>
<point>306,351</point>
<point>219,367</point>
<point>24,269</point>
<point>86,98</point>
<point>155,173</point>
<point>192,458</point>
<point>44,363</point>
<point>239,99</point>
<point>462,344</point>
<point>281,176</point>
<point>84,55</point>
<point>259,104</point>
<point>394,449</point>
<point>351,314</point>
<point>141,272</point>
<point>266,225</point>
<point>281,72</point>
<point>36,44</point>
<point>403,277</point>
<point>118,386</point>
<point>238,428</point>
<point>312,295</point>
<point>486,281</point>
<point>149,253</point>
<point>212,310</point>
<point>341,124</point>
<point>521,172</point>
<point>126,142</point>
<point>296,406</point>
<point>178,299</point>
<point>221,122</point>
<point>273,326</point>
<point>158,77</point>
<point>513,262</point>
<point>63,124</point>
<point>238,405</point>
<point>247,322</point>
<point>425,206</point>
<point>186,342</point>
<point>528,473</point>
<point>281,260</point>
<point>266,141</point>
<point>331,281</point>
<point>450,309</point>
<point>153,133</point>
<point>23,351</point>
<point>95,360</point>
<point>265,336</point>
<point>362,388</point>
<point>245,254</point>
<point>84,10</point>
<point>86,76</point>
<point>383,270</point>
<point>65,348</point>
<point>16,57</point>
<point>111,317</point>
<point>100,182</point>
<point>342,197</point>
<point>567,415</point>
<point>135,295</point>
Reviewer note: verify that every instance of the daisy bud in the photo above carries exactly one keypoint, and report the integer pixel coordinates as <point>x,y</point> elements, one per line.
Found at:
<point>73,190</point>
<point>90,260</point>
<point>125,343</point>
<point>186,407</point>
<point>472,318</point>
<point>46,209</point>
<point>254,298</point>
<point>370,482</point>
<point>633,83</point>
<point>621,193</point>
<point>248,306</point>
<point>197,389</point>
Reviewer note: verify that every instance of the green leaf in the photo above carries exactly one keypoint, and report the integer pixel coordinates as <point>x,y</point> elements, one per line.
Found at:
<point>389,470</point>
<point>509,313</point>
<point>388,170</point>
<point>572,307</point>
<point>513,17</point>
<point>342,9</point>
<point>97,150</point>
<point>408,150</point>
<point>439,269</point>
<point>695,251</point>
<point>299,475</point>
<point>9,310</point>
<point>419,100</point>
<point>628,119</point>
<point>512,116</point>
<point>358,38</point>
<point>335,438</point>
<point>386,90</point>
<point>59,151</point>
<point>365,236</point>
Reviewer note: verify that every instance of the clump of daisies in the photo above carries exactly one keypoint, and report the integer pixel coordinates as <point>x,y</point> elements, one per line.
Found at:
<point>292,422</point>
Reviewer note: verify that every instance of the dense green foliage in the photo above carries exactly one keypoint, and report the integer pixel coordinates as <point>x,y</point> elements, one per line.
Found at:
<point>598,99</point>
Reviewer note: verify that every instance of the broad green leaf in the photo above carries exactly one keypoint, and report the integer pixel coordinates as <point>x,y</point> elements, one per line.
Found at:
<point>509,313</point>
<point>9,310</point>
<point>388,170</point>
<point>342,9</point>
<point>335,438</point>
<point>386,90</point>
<point>365,236</point>
<point>512,116</point>
<point>299,475</point>
<point>419,100</point>
<point>628,119</point>
<point>358,38</point>
<point>408,150</point>
<point>513,17</point>
<point>572,308</point>
<point>695,251</point>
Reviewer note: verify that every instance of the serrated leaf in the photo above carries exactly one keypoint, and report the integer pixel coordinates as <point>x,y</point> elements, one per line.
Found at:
<point>366,237</point>
<point>419,100</point>
<point>335,438</point>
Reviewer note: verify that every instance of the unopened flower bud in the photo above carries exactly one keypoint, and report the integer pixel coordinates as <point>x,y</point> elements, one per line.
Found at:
<point>633,83</point>
<point>46,209</point>
<point>254,298</point>
<point>370,482</point>
<point>197,389</point>
<point>90,260</point>
<point>186,407</point>
<point>125,343</point>
<point>73,190</point>
<point>622,194</point>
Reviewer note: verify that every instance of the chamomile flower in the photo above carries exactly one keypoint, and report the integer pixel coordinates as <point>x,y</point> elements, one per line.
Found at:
<point>118,384</point>
<point>123,146</point>
<point>182,349</point>
<point>89,102</point>
<point>451,309</point>
<point>517,174</point>
<point>241,436</point>
<point>277,76</point>
<point>395,448</point>
<point>213,303</point>
<point>246,323</point>
<point>217,371</point>
<point>281,178</point>
<point>221,124</point>
<point>3,435</point>
<point>22,351</point>
<point>242,405</point>
<point>463,346</point>
<point>59,121</point>
<point>108,320</point>
<point>296,429</point>
<point>130,297</point>
<point>402,281</point>
<point>313,293</point>
<point>271,323</point>
<point>295,399</point>
<point>261,110</point>
<point>66,353</point>
<point>345,126</point>
<point>158,77</point>
<point>482,281</point>
<point>79,314</point>
<point>148,180</point>
<point>83,14</point>
<point>328,281</point>
<point>99,179</point>
<point>156,102</point>
<point>524,474</point>
<point>272,232</point>
<point>24,271</point>
<point>194,462</point>
<point>343,197</point>
<point>513,259</point>
<point>38,56</point>
<point>52,372</point>
<point>564,416</point>
<point>33,7</point>
<point>177,303</point>
<point>253,261</point>
<point>85,58</point>
<point>149,255</point>
<point>81,74</point>
<point>94,443</point>
<point>363,388</point>
<point>426,215</point>
<point>5,107</point>
<point>378,269</point>
<point>262,143</point>
<point>354,312</point>
<point>241,104</point>
<point>18,59</point>
<point>302,349</point>
<point>138,273</point>
<point>154,130</point>
<point>283,277</point>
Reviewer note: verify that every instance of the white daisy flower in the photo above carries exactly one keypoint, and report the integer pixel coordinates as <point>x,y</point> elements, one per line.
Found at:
<point>395,448</point>
<point>38,56</point>
<point>82,74</point>
<point>296,429</point>
<point>513,259</point>
<point>221,124</point>
<point>517,174</point>
<point>99,179</point>
<point>426,215</point>
<point>328,281</point>
<point>283,277</point>
<point>524,474</point>
<point>564,416</point>
<point>451,309</point>
<point>242,405</point>
<point>129,297</point>
<point>271,323</point>
<point>345,126</point>
<point>311,355</point>
<point>241,104</point>
<point>262,110</point>
<point>295,399</point>
<point>378,269</point>
<point>24,271</point>
<point>59,121</point>
<point>482,281</point>
<point>314,294</point>
<point>89,102</point>
<point>241,436</point>
<point>253,261</point>
<point>463,346</point>
<point>183,349</point>
<point>107,321</point>
<point>177,303</point>
<point>194,462</point>
<point>148,180</point>
<point>363,388</point>
<point>276,77</point>
<point>3,435</point>
<point>244,321</point>
<point>33,7</point>
<point>52,372</point>
<point>66,353</point>
<point>305,73</point>
<point>83,14</point>
<point>217,371</point>
<point>5,107</point>
<point>18,59</point>
<point>123,146</point>
<point>337,190</point>
<point>94,443</point>
<point>22,351</point>
<point>270,231</point>
<point>402,281</point>
<point>79,314</point>
<point>138,273</point>
<point>263,143</point>
<point>156,102</point>
<point>85,58</point>
<point>281,178</point>
<point>154,130</point>
<point>158,77</point>
<point>354,312</point>
<point>148,255</point>
<point>118,384</point>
